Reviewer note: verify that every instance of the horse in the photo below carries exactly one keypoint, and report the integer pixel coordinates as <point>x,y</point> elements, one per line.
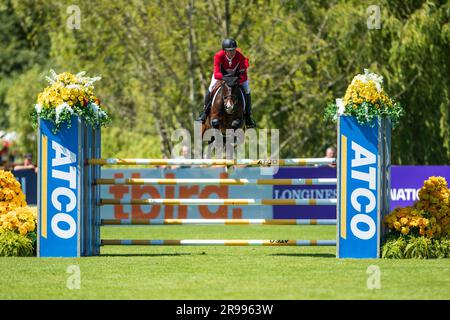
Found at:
<point>227,105</point>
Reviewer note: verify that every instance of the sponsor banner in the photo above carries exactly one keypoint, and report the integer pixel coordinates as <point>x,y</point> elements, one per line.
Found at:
<point>405,187</point>
<point>359,185</point>
<point>127,192</point>
<point>407,181</point>
<point>305,192</point>
<point>58,234</point>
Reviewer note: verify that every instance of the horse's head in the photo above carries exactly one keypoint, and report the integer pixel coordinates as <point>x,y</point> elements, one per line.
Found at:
<point>230,90</point>
<point>230,93</point>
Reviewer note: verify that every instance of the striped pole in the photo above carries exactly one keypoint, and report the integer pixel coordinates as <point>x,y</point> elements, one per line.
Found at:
<point>221,242</point>
<point>229,202</point>
<point>306,182</point>
<point>109,222</point>
<point>214,162</point>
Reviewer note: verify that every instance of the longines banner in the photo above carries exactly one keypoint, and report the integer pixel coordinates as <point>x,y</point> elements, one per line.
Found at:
<point>405,184</point>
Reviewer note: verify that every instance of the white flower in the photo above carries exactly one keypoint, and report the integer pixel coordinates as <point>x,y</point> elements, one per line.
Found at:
<point>375,78</point>
<point>98,113</point>
<point>95,107</point>
<point>38,108</point>
<point>54,74</point>
<point>369,76</point>
<point>73,86</point>
<point>341,106</point>
<point>63,107</point>
<point>50,80</point>
<point>87,80</point>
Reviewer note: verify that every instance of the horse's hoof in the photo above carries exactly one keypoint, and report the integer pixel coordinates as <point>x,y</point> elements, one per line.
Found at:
<point>236,124</point>
<point>215,123</point>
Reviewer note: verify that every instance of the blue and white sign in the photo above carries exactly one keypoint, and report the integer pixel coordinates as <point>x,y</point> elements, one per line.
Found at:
<point>59,188</point>
<point>359,203</point>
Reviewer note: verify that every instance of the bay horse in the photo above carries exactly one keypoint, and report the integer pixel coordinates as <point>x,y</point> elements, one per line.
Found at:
<point>227,104</point>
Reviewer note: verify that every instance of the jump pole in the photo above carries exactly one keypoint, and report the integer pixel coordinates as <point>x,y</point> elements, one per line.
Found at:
<point>69,198</point>
<point>226,182</point>
<point>267,243</point>
<point>225,222</point>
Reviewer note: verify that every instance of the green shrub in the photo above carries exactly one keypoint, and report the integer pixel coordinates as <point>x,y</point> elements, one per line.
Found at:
<point>419,248</point>
<point>442,248</point>
<point>394,248</point>
<point>411,247</point>
<point>15,245</point>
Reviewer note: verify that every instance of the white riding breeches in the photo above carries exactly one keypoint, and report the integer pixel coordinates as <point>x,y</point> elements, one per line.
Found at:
<point>214,81</point>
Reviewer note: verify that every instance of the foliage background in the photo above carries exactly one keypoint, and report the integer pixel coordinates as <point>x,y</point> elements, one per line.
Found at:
<point>155,58</point>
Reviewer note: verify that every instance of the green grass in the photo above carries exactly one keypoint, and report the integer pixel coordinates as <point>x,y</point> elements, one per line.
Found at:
<point>139,272</point>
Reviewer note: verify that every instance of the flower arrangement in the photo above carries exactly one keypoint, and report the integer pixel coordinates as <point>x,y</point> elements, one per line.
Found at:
<point>11,195</point>
<point>69,95</point>
<point>426,224</point>
<point>411,221</point>
<point>434,198</point>
<point>23,220</point>
<point>17,220</point>
<point>365,99</point>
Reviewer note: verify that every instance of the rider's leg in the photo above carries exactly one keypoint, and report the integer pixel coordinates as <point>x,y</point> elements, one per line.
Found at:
<point>249,122</point>
<point>206,108</point>
<point>207,105</point>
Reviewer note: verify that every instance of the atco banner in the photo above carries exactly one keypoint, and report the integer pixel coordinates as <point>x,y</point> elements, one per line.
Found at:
<point>59,185</point>
<point>361,197</point>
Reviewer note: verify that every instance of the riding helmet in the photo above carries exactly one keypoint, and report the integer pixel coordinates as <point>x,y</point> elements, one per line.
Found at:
<point>229,44</point>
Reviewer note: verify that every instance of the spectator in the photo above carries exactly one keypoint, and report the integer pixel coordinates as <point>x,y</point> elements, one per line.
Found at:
<point>185,153</point>
<point>331,153</point>
<point>4,150</point>
<point>27,163</point>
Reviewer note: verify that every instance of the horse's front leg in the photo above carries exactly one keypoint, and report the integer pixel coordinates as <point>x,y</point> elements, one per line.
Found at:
<point>236,123</point>
<point>215,115</point>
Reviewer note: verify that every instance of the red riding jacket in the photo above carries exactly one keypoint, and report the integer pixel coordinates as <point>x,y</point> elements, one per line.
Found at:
<point>223,66</point>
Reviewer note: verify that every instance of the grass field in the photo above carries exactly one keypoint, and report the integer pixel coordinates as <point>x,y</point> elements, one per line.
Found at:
<point>140,272</point>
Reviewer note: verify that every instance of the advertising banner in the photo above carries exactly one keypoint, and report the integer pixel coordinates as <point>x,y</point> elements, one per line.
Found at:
<point>305,192</point>
<point>127,192</point>
<point>359,198</point>
<point>59,185</point>
<point>407,181</point>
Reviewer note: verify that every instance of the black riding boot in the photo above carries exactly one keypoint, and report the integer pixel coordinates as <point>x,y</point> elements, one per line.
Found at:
<point>249,122</point>
<point>206,108</point>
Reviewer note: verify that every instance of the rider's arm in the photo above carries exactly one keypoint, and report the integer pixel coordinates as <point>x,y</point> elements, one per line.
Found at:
<point>243,71</point>
<point>217,72</point>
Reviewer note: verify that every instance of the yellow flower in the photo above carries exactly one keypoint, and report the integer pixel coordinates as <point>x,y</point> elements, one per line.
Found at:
<point>21,219</point>
<point>405,230</point>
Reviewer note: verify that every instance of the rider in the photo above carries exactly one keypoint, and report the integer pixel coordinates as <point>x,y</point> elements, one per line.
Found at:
<point>226,60</point>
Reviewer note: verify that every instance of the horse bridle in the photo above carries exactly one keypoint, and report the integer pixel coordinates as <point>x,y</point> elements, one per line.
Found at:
<point>231,95</point>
